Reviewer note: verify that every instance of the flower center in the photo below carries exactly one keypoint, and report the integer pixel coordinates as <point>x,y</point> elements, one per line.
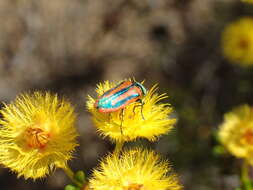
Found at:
<point>244,44</point>
<point>134,186</point>
<point>36,137</point>
<point>248,136</point>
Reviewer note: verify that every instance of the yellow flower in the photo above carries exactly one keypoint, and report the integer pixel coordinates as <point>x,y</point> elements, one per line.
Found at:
<point>237,41</point>
<point>37,134</point>
<point>128,125</point>
<point>247,1</point>
<point>134,170</point>
<point>236,132</point>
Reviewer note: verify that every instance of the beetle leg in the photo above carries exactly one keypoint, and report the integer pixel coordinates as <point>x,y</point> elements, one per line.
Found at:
<point>135,107</point>
<point>121,117</point>
<point>110,117</point>
<point>138,105</point>
<point>142,103</point>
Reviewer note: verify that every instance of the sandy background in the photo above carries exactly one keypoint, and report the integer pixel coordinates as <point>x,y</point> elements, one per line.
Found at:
<point>68,47</point>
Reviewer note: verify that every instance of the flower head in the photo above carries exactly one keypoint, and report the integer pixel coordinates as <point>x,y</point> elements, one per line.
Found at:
<point>237,41</point>
<point>247,1</point>
<point>134,170</point>
<point>236,132</point>
<point>37,134</point>
<point>149,120</point>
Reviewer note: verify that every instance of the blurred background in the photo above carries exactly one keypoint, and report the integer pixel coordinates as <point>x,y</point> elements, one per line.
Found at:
<point>68,47</point>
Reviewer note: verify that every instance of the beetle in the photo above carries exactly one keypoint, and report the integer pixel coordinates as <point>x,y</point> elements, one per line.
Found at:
<point>120,96</point>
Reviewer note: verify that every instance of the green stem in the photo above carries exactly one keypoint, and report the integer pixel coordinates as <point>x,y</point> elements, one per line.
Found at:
<point>118,147</point>
<point>70,174</point>
<point>245,179</point>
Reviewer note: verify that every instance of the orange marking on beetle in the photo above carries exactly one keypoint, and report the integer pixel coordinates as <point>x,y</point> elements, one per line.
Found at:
<point>119,88</point>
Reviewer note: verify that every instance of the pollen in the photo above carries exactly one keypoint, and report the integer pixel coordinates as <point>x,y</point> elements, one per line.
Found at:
<point>243,43</point>
<point>248,136</point>
<point>36,138</point>
<point>134,186</point>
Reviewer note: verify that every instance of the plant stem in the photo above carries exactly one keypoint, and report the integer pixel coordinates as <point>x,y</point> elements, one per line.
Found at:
<point>70,174</point>
<point>245,179</point>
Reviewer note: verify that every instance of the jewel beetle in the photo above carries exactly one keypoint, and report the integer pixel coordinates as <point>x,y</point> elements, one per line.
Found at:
<point>120,96</point>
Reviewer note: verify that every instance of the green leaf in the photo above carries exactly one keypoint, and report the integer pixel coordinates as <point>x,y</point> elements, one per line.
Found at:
<point>219,150</point>
<point>216,136</point>
<point>70,187</point>
<point>80,176</point>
